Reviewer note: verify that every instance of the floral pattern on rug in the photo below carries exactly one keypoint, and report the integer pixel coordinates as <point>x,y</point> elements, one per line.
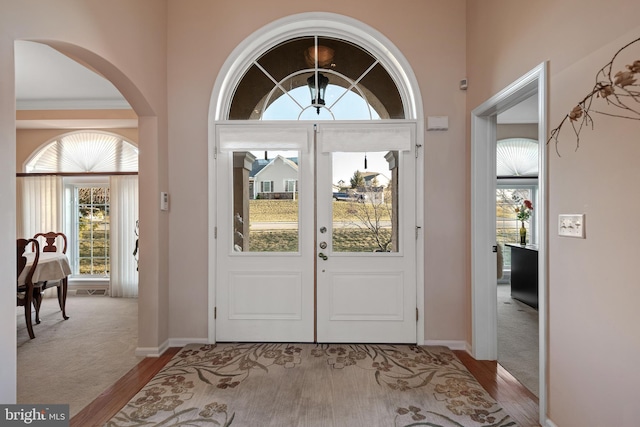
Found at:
<point>403,368</point>
<point>203,385</point>
<point>224,367</point>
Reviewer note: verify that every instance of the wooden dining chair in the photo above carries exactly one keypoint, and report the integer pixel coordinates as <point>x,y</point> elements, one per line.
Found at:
<point>50,240</point>
<point>27,290</point>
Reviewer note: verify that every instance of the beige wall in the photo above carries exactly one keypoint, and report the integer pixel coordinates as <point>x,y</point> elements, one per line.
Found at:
<point>593,288</point>
<point>430,34</point>
<point>126,42</point>
<point>593,283</point>
<point>191,39</point>
<point>517,131</point>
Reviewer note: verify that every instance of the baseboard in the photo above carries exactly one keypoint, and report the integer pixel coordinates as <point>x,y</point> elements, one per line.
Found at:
<point>549,423</point>
<point>88,292</point>
<point>453,345</point>
<point>468,348</point>
<point>181,342</point>
<point>152,351</point>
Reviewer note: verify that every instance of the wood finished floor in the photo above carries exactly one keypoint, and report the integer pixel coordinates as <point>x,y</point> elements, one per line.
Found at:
<point>515,399</point>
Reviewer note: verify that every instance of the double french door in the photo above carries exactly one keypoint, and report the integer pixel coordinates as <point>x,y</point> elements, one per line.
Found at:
<point>297,263</point>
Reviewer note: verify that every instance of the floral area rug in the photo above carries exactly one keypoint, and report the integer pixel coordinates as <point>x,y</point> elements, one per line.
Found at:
<point>330,385</point>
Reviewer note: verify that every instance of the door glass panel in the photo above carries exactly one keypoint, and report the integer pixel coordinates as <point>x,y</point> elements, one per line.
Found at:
<point>288,66</point>
<point>365,202</point>
<point>265,201</point>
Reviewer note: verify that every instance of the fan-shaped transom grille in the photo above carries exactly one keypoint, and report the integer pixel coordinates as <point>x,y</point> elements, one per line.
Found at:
<point>517,157</point>
<point>85,152</point>
<point>358,86</point>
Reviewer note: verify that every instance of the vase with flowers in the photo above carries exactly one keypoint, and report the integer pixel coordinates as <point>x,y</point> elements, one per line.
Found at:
<point>523,213</point>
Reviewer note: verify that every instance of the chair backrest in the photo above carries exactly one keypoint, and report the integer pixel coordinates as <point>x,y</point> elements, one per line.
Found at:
<point>50,241</point>
<point>21,260</point>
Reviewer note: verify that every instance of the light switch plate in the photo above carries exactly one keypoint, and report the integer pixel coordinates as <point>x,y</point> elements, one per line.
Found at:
<point>571,225</point>
<point>437,122</point>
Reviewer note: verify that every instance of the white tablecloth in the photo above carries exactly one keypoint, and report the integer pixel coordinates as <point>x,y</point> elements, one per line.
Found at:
<point>51,266</point>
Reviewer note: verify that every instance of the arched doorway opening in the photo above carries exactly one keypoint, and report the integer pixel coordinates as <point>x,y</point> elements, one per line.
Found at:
<point>269,144</point>
<point>152,282</point>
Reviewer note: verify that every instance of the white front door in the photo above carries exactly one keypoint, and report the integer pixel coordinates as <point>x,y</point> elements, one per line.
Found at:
<point>366,244</point>
<point>293,263</point>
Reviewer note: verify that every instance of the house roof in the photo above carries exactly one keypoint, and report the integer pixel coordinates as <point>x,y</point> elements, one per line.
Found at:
<point>260,164</point>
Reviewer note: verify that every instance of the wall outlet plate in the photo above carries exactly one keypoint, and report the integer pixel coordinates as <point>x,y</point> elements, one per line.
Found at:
<point>571,225</point>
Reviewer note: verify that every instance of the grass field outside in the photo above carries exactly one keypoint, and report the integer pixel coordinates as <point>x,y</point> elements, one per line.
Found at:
<point>355,238</point>
<point>287,210</point>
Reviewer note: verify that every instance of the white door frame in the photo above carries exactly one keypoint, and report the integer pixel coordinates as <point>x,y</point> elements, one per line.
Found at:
<point>483,214</point>
<point>327,24</point>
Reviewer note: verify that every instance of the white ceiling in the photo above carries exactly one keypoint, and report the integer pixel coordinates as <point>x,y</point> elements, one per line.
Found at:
<point>49,80</point>
<point>525,112</point>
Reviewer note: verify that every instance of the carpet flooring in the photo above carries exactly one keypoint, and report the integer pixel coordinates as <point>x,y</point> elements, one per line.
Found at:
<point>330,385</point>
<point>518,339</point>
<point>73,361</point>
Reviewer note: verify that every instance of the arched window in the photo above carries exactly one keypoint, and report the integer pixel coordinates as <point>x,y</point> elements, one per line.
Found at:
<point>314,67</point>
<point>316,78</point>
<point>85,184</point>
<point>517,157</point>
<point>85,152</point>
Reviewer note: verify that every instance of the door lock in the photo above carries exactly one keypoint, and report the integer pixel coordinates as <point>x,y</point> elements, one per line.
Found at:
<point>323,229</point>
<point>323,245</point>
<point>323,256</point>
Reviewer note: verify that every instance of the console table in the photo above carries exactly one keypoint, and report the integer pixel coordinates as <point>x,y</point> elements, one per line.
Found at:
<point>524,273</point>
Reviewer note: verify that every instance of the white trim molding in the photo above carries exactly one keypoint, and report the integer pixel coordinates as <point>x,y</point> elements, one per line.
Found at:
<point>483,212</point>
<point>452,344</point>
<point>152,351</point>
<point>181,342</point>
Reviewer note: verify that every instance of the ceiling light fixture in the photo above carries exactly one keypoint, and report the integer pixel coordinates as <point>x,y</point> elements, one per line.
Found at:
<point>322,55</point>
<point>317,89</point>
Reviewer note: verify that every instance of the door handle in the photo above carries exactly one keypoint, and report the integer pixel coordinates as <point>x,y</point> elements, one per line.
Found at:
<point>323,245</point>
<point>323,256</point>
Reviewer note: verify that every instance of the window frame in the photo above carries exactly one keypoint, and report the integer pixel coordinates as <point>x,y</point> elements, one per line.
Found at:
<point>71,206</point>
<point>288,183</point>
<point>522,183</point>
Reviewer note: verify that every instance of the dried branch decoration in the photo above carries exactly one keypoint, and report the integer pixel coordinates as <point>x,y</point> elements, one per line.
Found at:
<point>619,91</point>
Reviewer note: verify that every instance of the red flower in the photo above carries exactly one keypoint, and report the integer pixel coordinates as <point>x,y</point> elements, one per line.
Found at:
<point>528,204</point>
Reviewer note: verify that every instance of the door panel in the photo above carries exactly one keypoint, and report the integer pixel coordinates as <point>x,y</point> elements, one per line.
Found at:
<point>346,290</point>
<point>264,289</point>
<point>290,255</point>
<point>250,295</point>
<point>366,283</point>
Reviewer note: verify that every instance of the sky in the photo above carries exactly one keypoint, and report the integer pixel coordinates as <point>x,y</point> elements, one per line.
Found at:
<point>339,105</point>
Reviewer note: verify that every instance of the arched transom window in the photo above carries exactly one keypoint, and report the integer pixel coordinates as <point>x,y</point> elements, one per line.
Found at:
<point>85,152</point>
<point>316,78</point>
<point>517,157</point>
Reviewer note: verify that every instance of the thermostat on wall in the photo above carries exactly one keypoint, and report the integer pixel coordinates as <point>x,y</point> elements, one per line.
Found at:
<point>164,201</point>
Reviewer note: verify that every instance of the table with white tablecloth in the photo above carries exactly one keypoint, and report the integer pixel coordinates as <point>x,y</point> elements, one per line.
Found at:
<point>52,267</point>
